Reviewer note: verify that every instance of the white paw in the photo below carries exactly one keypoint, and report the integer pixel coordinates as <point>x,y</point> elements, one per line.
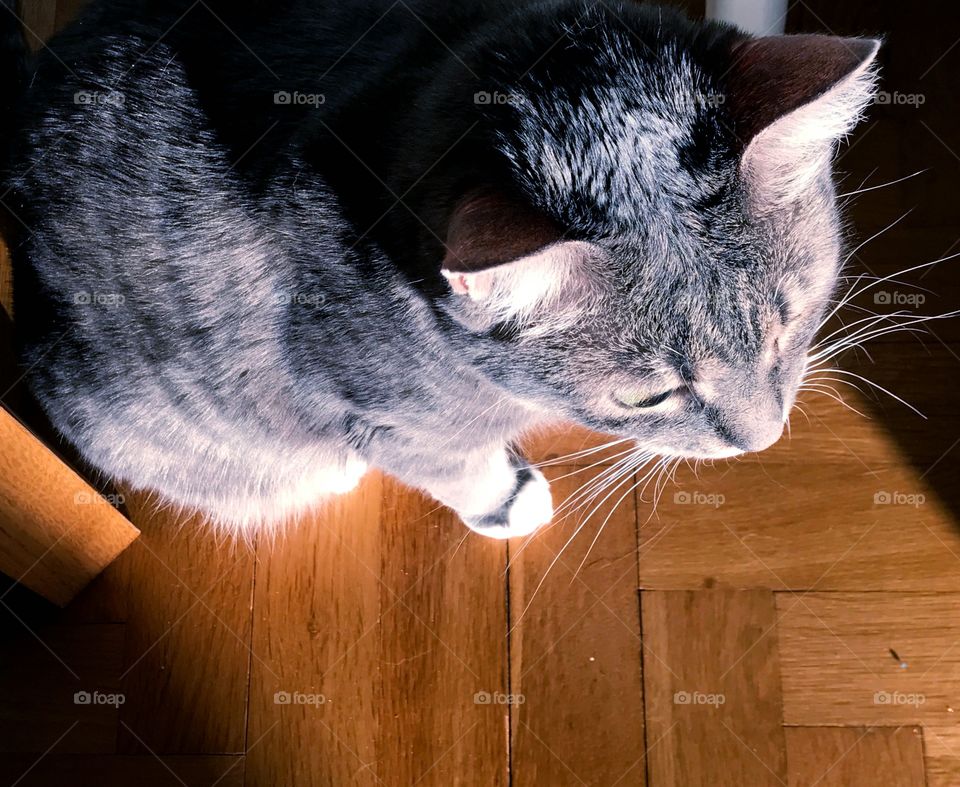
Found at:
<point>529,509</point>
<point>339,479</point>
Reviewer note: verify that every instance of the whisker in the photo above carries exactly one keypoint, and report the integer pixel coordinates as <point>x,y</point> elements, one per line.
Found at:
<point>868,332</point>
<point>562,460</point>
<point>832,393</point>
<point>589,490</point>
<point>613,510</point>
<point>862,190</point>
<point>876,235</point>
<point>880,279</point>
<point>595,464</point>
<point>599,481</point>
<point>638,459</point>
<point>836,380</point>
<point>873,318</point>
<point>879,388</point>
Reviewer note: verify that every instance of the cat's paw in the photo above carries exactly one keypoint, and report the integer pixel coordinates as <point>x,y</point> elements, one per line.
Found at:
<point>529,507</point>
<point>338,479</point>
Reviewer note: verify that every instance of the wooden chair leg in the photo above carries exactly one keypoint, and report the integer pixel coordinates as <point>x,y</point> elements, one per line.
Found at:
<point>56,531</point>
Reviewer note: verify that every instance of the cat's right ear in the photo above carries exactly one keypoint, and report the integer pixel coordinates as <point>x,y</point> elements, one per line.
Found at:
<point>791,98</point>
<point>506,257</point>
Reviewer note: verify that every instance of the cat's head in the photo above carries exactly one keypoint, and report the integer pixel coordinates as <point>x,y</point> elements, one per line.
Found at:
<point>667,242</point>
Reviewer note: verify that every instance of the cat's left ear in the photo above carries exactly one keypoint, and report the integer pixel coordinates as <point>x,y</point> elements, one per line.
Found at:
<point>507,257</point>
<point>791,98</point>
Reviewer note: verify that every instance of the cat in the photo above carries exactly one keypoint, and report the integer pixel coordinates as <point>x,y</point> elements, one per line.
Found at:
<point>266,247</point>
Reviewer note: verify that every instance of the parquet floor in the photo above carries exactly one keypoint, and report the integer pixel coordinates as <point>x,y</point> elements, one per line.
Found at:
<point>788,619</point>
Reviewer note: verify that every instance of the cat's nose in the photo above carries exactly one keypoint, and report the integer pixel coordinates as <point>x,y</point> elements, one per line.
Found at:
<point>753,435</point>
<point>752,426</point>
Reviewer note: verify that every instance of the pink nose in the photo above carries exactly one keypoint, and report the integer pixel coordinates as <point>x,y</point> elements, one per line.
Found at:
<point>757,435</point>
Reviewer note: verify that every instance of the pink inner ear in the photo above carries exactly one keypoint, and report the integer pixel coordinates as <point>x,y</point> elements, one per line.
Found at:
<point>458,283</point>
<point>488,229</point>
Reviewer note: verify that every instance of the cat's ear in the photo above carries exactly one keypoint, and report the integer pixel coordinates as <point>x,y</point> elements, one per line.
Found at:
<point>506,256</point>
<point>791,98</point>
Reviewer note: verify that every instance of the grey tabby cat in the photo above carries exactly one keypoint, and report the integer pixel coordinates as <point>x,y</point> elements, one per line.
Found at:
<point>272,246</point>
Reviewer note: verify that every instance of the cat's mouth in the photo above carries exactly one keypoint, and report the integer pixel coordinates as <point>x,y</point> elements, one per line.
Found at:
<point>720,452</point>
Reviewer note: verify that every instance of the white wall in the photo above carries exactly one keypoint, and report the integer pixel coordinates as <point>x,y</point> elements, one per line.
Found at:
<point>760,17</point>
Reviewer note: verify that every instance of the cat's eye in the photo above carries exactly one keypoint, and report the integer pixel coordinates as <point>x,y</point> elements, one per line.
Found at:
<point>638,400</point>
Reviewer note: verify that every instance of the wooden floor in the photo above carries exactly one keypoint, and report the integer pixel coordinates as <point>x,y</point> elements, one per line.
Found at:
<point>788,619</point>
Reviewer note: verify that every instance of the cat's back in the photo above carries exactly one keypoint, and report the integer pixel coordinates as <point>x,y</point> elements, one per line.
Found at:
<point>149,281</point>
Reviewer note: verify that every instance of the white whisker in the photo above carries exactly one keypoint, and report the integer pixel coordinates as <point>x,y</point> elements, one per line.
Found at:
<point>862,190</point>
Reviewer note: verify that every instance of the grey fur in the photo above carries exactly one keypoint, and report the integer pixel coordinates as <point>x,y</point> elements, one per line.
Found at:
<point>245,350</point>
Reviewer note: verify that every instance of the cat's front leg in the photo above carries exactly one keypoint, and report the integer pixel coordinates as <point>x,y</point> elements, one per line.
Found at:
<point>497,494</point>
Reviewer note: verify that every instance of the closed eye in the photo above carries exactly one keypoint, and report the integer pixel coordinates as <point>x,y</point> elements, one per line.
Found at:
<point>640,401</point>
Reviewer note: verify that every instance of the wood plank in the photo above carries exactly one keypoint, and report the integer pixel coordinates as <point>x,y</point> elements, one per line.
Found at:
<point>397,646</point>
<point>837,664</point>
<point>443,642</point>
<point>67,11</point>
<point>855,756</point>
<point>316,632</point>
<point>187,601</point>
<point>575,653</point>
<point>942,755</point>
<point>712,688</point>
<point>788,526</point>
<point>56,531</point>
<point>60,685</point>
<point>39,19</point>
<point>143,771</point>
